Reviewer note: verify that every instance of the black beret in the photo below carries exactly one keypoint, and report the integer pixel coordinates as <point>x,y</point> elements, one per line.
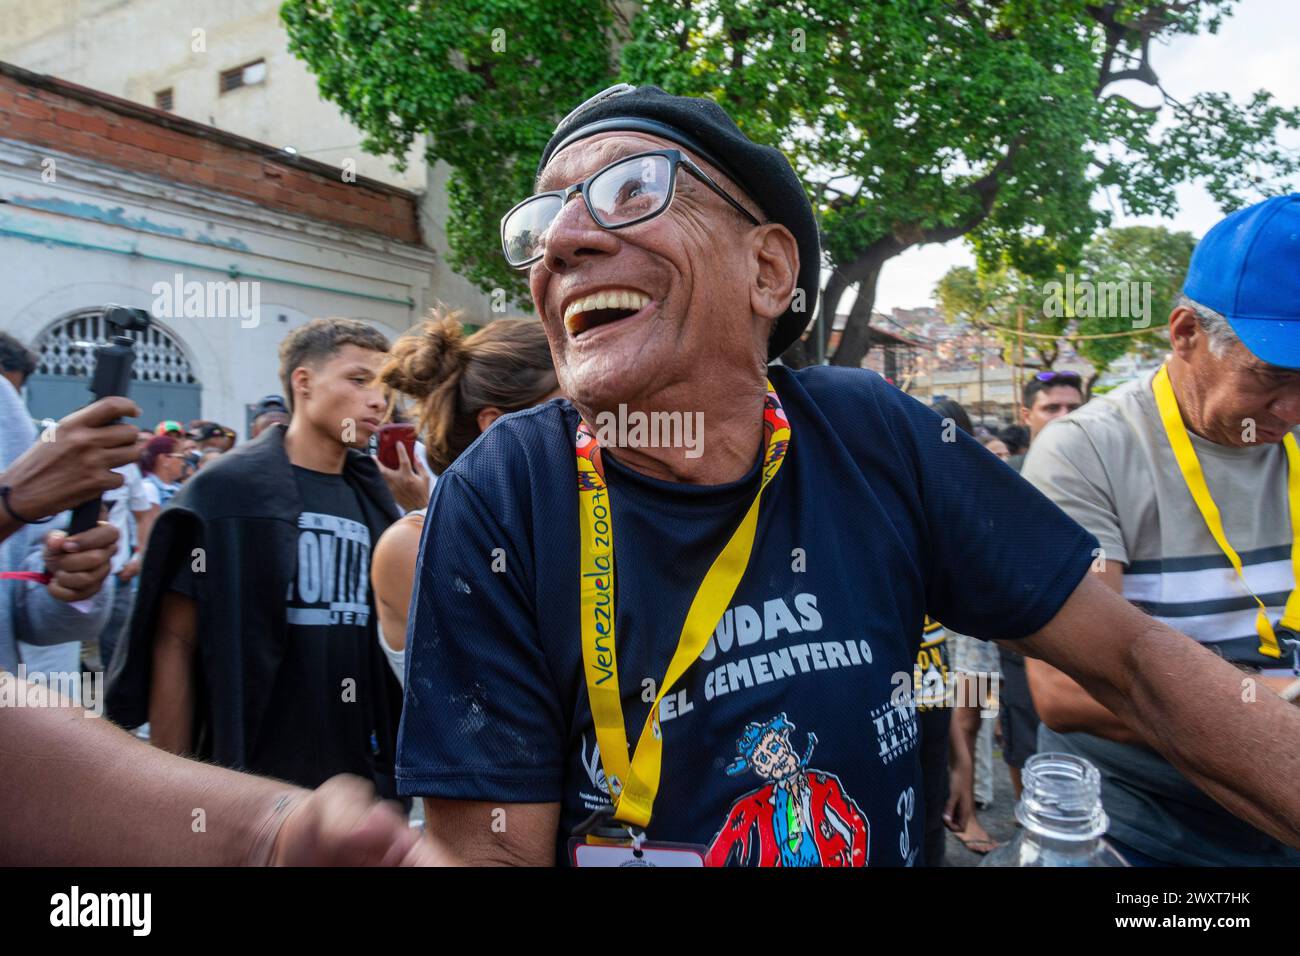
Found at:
<point>704,128</point>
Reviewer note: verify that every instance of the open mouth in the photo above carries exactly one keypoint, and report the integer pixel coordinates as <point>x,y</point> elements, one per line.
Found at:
<point>602,308</point>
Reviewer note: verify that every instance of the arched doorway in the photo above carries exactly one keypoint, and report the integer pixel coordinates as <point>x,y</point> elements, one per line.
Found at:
<point>162,381</point>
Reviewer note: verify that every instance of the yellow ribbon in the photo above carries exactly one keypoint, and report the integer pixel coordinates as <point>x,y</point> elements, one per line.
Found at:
<point>633,783</point>
<point>1190,466</point>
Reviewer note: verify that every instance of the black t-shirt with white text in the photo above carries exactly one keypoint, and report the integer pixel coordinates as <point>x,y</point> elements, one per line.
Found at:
<point>315,725</point>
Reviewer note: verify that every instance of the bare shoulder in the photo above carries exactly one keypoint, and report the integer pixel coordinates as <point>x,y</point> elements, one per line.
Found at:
<point>399,546</point>
<point>402,533</point>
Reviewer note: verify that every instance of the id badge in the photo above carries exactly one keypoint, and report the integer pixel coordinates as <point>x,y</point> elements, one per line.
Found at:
<point>589,852</point>
<point>603,841</point>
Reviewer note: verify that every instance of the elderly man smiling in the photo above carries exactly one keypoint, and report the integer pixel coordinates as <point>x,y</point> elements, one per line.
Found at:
<point>600,635</point>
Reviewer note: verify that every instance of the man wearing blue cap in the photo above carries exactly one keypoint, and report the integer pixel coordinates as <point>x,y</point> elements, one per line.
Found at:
<point>1190,480</point>
<point>599,614</point>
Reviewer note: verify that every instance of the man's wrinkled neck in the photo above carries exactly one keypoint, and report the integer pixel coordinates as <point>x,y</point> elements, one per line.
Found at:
<point>722,416</point>
<point>1191,401</point>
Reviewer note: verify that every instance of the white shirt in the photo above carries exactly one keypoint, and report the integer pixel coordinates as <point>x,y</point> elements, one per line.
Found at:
<point>397,659</point>
<point>133,495</point>
<point>423,454</point>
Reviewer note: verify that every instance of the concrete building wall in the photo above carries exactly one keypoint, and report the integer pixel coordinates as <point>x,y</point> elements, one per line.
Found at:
<point>99,235</point>
<point>42,111</point>
<point>457,292</point>
<point>134,48</point>
<point>102,201</point>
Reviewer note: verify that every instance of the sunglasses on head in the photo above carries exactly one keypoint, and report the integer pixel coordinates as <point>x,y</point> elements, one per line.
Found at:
<point>628,191</point>
<point>1064,378</point>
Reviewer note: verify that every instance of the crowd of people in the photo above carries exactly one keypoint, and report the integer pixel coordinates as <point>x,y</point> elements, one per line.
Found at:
<point>577,644</point>
<point>984,686</point>
<point>167,456</point>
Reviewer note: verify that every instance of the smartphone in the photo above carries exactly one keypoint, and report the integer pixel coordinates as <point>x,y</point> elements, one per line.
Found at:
<point>389,437</point>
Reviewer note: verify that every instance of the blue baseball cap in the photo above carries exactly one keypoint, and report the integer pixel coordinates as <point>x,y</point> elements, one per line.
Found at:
<point>1247,268</point>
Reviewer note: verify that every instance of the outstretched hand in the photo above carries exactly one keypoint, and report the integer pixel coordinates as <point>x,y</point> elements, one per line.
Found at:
<point>340,823</point>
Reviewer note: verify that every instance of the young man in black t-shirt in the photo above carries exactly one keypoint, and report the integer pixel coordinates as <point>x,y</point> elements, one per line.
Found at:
<point>255,633</point>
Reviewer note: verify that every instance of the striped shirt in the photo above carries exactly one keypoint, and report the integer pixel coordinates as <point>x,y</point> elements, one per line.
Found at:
<point>1110,467</point>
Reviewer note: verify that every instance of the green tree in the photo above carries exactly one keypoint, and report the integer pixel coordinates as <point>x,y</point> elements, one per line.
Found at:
<point>1115,301</point>
<point>996,301</point>
<point>912,121</point>
<point>482,81</point>
<point>1149,258</point>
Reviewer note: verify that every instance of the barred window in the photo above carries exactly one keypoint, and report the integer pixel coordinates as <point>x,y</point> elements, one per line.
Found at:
<point>68,349</point>
<point>247,75</point>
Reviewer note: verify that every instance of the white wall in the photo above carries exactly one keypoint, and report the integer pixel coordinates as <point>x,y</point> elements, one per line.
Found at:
<point>45,279</point>
<point>134,48</point>
<point>474,305</point>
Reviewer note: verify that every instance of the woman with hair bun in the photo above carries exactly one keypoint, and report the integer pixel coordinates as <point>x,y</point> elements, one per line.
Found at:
<point>454,386</point>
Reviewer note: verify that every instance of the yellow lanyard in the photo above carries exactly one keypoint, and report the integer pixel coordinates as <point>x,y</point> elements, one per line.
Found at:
<point>1190,467</point>
<point>634,783</point>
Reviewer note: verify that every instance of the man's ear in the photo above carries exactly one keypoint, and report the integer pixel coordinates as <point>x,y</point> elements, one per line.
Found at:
<point>487,416</point>
<point>776,260</point>
<point>300,380</point>
<point>1024,416</point>
<point>1184,333</point>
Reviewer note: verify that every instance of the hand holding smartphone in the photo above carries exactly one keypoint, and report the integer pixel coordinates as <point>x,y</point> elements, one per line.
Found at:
<point>407,477</point>
<point>390,436</point>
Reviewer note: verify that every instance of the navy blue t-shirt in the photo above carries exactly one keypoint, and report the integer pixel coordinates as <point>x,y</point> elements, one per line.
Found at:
<point>792,741</point>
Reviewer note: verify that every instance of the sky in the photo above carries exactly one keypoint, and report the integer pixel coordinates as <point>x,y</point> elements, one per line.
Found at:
<point>1258,47</point>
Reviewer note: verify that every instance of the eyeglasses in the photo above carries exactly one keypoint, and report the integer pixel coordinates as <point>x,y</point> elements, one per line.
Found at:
<point>628,191</point>
<point>1067,378</point>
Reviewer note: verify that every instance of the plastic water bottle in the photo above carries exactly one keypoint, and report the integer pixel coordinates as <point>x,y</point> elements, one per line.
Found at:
<point>1061,815</point>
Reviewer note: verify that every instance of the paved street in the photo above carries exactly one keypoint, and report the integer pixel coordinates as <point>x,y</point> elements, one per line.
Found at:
<point>999,818</point>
